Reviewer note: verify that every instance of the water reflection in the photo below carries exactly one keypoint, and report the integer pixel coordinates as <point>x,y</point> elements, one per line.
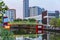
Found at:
<point>54,36</point>
<point>45,36</point>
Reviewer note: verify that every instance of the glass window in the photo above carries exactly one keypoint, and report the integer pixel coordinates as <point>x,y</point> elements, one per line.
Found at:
<point>51,14</point>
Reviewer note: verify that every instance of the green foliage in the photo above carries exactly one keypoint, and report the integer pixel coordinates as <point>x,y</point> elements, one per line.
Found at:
<point>25,20</point>
<point>32,20</point>
<point>55,22</point>
<point>5,34</point>
<point>21,31</point>
<point>32,36</point>
<point>58,23</point>
<point>0,19</point>
<point>17,20</point>
<point>3,7</point>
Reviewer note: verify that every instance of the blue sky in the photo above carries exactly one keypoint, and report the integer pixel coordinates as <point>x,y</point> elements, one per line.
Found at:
<point>47,4</point>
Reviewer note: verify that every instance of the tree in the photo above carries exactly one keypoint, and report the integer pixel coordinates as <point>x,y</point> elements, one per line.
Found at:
<point>55,22</point>
<point>25,20</point>
<point>5,34</point>
<point>3,8</point>
<point>32,20</point>
<point>17,20</point>
<point>58,23</point>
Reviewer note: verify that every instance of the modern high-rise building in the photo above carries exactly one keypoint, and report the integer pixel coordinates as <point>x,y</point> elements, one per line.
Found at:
<point>34,11</point>
<point>11,14</point>
<point>25,8</point>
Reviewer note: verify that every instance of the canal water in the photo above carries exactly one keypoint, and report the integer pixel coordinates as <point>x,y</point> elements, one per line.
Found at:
<point>44,36</point>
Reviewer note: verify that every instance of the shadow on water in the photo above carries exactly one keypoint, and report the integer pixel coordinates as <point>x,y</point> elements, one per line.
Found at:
<point>47,35</point>
<point>44,36</point>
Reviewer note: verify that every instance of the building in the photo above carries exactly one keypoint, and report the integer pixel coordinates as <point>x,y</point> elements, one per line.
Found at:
<point>11,14</point>
<point>59,14</point>
<point>38,18</point>
<point>36,13</point>
<point>25,8</point>
<point>35,10</point>
<point>48,15</point>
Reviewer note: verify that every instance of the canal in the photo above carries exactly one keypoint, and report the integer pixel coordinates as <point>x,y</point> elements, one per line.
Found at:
<point>28,32</point>
<point>44,36</point>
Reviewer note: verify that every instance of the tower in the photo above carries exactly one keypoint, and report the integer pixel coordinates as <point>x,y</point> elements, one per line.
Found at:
<point>25,8</point>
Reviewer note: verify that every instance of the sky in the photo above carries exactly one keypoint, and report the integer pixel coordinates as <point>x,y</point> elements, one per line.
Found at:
<point>50,5</point>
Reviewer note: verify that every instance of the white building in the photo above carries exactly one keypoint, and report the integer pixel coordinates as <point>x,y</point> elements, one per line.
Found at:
<point>38,18</point>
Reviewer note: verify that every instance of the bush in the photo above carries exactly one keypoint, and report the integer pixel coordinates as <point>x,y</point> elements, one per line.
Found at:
<point>5,34</point>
